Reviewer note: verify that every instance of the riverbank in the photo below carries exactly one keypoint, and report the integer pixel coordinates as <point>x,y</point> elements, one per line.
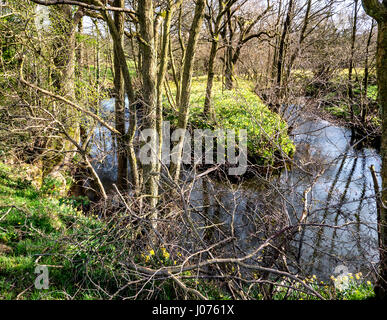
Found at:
<point>268,142</point>
<point>83,254</point>
<point>353,107</point>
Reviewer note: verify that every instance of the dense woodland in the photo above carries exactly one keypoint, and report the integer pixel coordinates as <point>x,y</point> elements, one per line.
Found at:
<point>87,88</point>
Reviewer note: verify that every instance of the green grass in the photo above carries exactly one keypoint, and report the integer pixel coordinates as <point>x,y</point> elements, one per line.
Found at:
<point>239,109</point>
<point>32,222</point>
<point>107,72</point>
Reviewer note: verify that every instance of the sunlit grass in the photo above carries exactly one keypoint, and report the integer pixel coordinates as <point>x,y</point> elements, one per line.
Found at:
<point>239,109</point>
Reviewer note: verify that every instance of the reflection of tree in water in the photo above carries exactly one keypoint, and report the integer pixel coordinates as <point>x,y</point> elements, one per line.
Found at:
<point>341,206</point>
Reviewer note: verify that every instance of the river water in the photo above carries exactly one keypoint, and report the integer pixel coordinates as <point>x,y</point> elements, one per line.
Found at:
<point>340,194</point>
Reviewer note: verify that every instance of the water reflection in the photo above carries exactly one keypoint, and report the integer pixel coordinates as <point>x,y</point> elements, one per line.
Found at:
<point>332,175</point>
<point>343,194</point>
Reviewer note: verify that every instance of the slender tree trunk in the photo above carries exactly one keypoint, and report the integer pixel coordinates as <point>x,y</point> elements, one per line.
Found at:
<point>165,42</point>
<point>209,111</point>
<point>282,44</point>
<point>301,38</point>
<point>378,11</point>
<point>366,74</point>
<point>351,59</point>
<point>224,7</point>
<point>277,40</point>
<point>149,97</point>
<point>122,158</point>
<point>186,83</point>
<point>229,66</point>
<point>118,48</point>
<point>64,25</point>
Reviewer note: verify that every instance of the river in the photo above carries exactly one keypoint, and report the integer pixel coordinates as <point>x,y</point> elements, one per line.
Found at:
<point>341,193</point>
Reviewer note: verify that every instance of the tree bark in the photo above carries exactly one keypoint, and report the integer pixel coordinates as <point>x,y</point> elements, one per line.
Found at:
<point>135,178</point>
<point>186,83</point>
<point>351,59</point>
<point>281,50</point>
<point>122,158</point>
<point>301,39</point>
<point>149,97</point>
<point>378,11</point>
<point>208,110</point>
<point>165,43</point>
<point>364,111</point>
<point>64,24</point>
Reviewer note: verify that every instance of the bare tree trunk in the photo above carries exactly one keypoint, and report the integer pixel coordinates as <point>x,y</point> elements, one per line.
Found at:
<point>149,97</point>
<point>224,7</point>
<point>229,66</point>
<point>351,59</point>
<point>378,11</point>
<point>122,158</point>
<point>208,110</point>
<point>281,50</point>
<point>382,87</point>
<point>135,178</point>
<point>64,24</point>
<point>165,42</point>
<point>366,74</point>
<point>301,38</point>
<point>186,82</point>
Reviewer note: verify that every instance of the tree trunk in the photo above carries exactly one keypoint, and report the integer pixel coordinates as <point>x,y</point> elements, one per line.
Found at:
<point>63,24</point>
<point>118,48</point>
<point>149,97</point>
<point>378,11</point>
<point>209,111</point>
<point>382,87</point>
<point>229,66</point>
<point>186,82</point>
<point>281,50</point>
<point>122,158</point>
<point>301,39</point>
<point>364,111</point>
<point>351,59</point>
<point>165,42</point>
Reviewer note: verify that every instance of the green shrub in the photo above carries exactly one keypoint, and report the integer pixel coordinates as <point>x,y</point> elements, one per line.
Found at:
<point>239,109</point>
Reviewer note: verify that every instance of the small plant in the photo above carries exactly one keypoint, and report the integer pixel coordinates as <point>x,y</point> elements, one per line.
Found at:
<point>51,186</point>
<point>75,201</point>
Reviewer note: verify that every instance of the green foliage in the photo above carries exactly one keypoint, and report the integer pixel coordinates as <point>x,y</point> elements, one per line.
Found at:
<point>51,186</point>
<point>31,224</point>
<point>75,201</point>
<point>372,92</point>
<point>358,288</point>
<point>240,109</point>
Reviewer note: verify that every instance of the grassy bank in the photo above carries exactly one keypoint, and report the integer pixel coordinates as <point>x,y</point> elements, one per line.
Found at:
<point>32,222</point>
<point>334,96</point>
<point>237,109</point>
